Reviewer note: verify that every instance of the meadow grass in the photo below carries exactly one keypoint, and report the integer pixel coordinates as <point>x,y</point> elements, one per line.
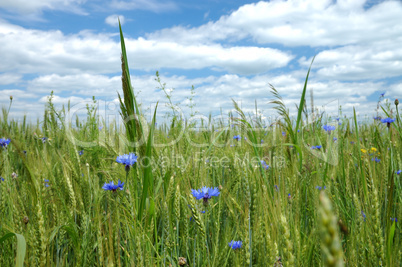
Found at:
<point>333,206</point>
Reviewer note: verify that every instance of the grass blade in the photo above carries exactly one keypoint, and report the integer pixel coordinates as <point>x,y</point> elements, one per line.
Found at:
<point>21,247</point>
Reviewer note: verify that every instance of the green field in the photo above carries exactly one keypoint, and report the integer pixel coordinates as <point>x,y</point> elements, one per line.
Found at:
<point>336,205</point>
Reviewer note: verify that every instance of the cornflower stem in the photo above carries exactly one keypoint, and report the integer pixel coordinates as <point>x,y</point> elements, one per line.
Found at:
<point>8,111</point>
<point>136,192</point>
<point>89,182</point>
<point>127,180</point>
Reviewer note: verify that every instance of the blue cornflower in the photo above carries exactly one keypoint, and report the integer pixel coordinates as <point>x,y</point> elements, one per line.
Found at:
<point>298,131</point>
<point>335,139</point>
<point>237,137</point>
<point>1,179</point>
<point>46,182</point>
<point>394,219</point>
<point>4,142</point>
<point>262,141</point>
<point>100,128</point>
<point>321,188</point>
<point>205,193</point>
<point>328,128</point>
<point>283,134</point>
<point>377,118</point>
<point>382,95</point>
<point>112,187</point>
<point>316,147</point>
<point>376,159</point>
<point>44,139</point>
<point>264,165</point>
<point>127,160</point>
<point>399,172</point>
<point>289,196</point>
<point>337,119</point>
<point>364,216</point>
<point>235,244</point>
<point>388,121</point>
<point>81,152</point>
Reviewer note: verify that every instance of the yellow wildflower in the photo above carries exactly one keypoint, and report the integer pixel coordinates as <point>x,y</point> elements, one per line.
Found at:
<point>373,149</point>
<point>363,150</point>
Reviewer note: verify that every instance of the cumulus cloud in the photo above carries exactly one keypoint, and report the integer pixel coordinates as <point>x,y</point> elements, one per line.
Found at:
<point>237,59</point>
<point>54,52</point>
<point>298,23</point>
<point>9,78</point>
<point>382,59</point>
<point>37,6</point>
<point>113,20</point>
<point>213,93</point>
<point>356,46</point>
<point>152,5</point>
<point>17,94</point>
<point>78,84</point>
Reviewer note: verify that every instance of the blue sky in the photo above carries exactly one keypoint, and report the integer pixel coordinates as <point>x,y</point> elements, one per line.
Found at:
<point>226,49</point>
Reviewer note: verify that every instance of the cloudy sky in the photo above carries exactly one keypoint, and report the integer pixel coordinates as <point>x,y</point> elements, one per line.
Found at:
<point>226,49</point>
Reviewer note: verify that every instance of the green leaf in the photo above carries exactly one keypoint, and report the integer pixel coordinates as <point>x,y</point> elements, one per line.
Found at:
<point>21,247</point>
<point>390,239</point>
<point>363,178</point>
<point>148,179</point>
<point>70,230</point>
<point>299,115</point>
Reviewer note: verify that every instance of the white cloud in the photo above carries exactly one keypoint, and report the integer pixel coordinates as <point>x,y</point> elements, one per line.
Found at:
<point>17,94</point>
<point>152,5</point>
<point>366,39</point>
<point>54,52</point>
<point>37,6</point>
<point>151,54</point>
<point>212,93</point>
<point>78,84</point>
<point>353,43</point>
<point>113,20</point>
<point>298,23</point>
<point>9,78</point>
<point>63,100</point>
<point>380,60</point>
